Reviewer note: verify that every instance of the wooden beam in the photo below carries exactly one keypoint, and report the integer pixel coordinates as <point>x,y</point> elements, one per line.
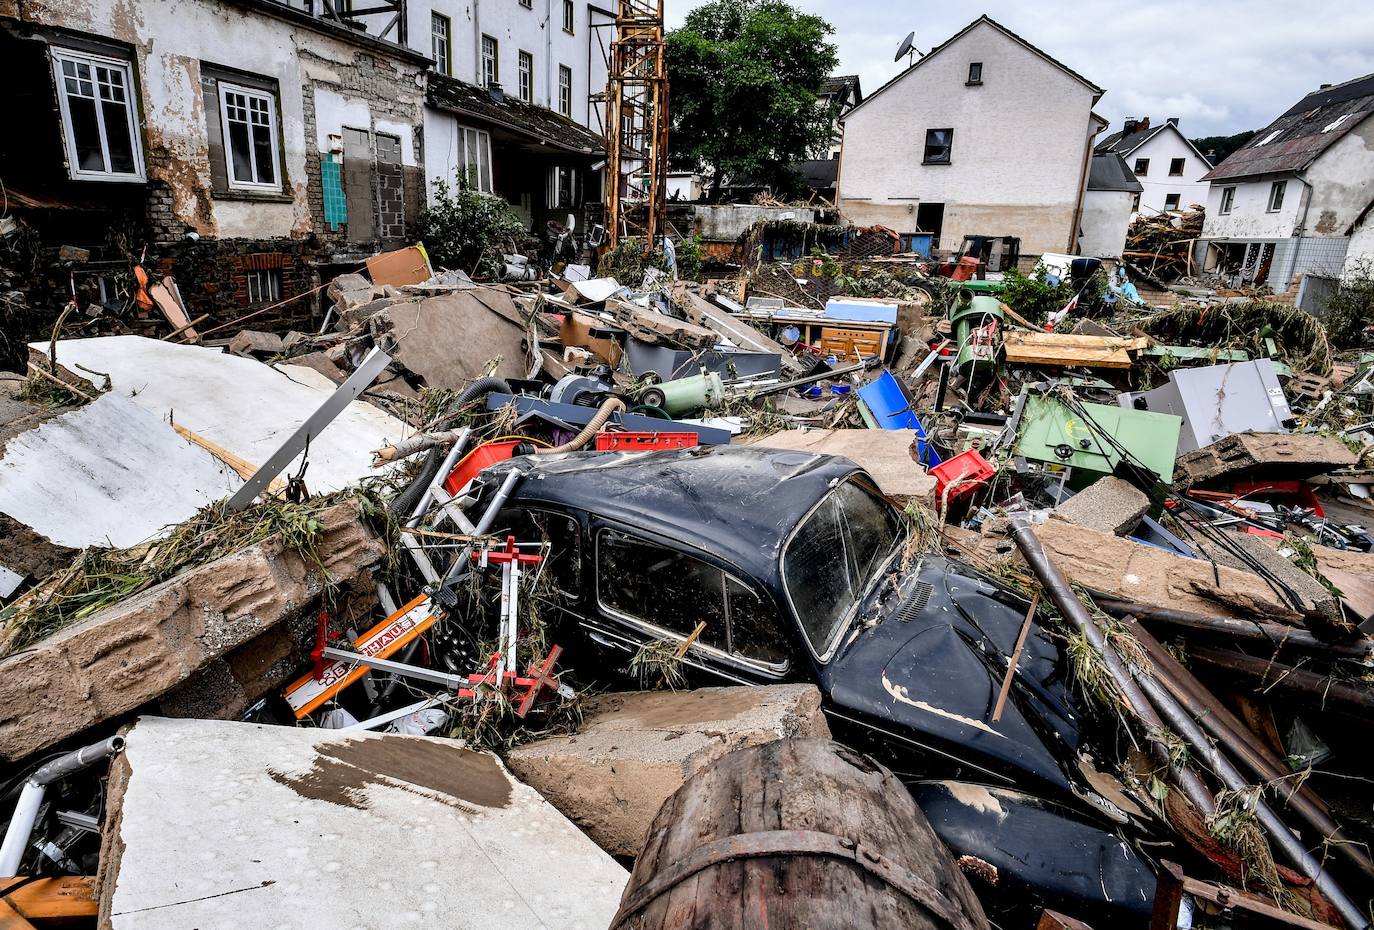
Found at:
<point>71,896</point>
<point>1065,350</point>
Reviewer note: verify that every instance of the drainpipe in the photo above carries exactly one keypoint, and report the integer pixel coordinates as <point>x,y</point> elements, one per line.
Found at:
<point>1298,230</point>
<point>31,798</point>
<point>1082,189</point>
<point>548,54</point>
<point>477,43</point>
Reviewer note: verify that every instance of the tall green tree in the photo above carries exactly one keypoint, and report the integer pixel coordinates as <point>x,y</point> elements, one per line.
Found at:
<point>743,77</point>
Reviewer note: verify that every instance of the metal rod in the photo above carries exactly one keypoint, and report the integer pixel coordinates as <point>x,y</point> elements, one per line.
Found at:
<point>31,798</point>
<point>452,682</point>
<point>397,714</point>
<point>488,517</point>
<point>1277,635</point>
<point>1279,834</point>
<point>1217,720</point>
<point>1057,586</point>
<point>1320,691</point>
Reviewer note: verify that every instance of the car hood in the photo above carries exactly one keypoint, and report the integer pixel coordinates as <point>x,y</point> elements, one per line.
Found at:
<point>927,663</point>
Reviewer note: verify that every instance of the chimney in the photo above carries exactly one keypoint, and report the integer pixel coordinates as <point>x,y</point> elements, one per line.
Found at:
<point>1144,124</point>
<point>1129,126</point>
<point>1323,87</point>
<point>497,94</point>
<point>1172,121</point>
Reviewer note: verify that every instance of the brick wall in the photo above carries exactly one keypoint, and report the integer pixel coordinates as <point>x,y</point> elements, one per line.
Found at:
<point>212,276</point>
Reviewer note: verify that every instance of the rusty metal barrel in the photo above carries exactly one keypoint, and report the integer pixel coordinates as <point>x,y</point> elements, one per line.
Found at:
<point>800,833</point>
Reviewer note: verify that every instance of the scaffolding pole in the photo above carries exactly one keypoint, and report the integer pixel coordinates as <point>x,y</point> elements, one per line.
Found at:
<point>637,125</point>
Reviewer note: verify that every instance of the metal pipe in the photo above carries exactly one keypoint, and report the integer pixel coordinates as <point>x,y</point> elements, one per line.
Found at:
<point>1057,587</point>
<point>1217,720</point>
<point>1230,776</point>
<point>1320,691</point>
<point>31,798</point>
<point>1277,635</point>
<point>488,517</point>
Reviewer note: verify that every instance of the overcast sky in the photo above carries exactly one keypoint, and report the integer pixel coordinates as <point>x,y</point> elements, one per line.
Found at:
<point>1222,66</point>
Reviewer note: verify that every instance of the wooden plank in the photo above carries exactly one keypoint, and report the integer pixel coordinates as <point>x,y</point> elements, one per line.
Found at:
<point>51,898</point>
<point>242,466</point>
<point>172,310</point>
<point>1064,350</point>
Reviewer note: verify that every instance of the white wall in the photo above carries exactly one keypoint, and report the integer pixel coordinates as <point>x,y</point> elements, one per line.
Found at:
<point>1163,147</point>
<point>537,30</point>
<point>1106,214</point>
<point>1360,251</point>
<point>1342,180</point>
<point>1018,158</point>
<point>1250,217</point>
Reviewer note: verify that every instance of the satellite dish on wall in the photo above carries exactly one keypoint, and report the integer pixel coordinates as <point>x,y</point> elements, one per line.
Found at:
<point>905,48</point>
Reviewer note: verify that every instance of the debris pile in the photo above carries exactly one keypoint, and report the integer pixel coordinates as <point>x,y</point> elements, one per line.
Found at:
<point>1091,577</point>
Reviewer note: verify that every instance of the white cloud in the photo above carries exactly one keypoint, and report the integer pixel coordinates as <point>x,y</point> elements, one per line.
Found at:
<point>1221,66</point>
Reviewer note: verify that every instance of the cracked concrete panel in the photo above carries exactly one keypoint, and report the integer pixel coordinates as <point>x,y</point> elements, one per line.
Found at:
<point>110,473</point>
<point>380,830</point>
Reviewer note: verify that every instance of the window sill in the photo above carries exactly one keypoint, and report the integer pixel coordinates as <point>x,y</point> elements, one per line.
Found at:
<point>973,83</point>
<point>570,32</point>
<point>255,196</point>
<point>942,163</point>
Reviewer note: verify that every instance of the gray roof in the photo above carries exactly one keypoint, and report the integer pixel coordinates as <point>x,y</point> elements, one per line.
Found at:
<point>1302,133</point>
<point>1127,142</point>
<point>1109,172</point>
<point>527,119</point>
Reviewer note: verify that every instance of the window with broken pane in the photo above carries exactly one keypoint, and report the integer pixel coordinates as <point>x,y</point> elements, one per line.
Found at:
<point>98,116</point>
<point>250,137</point>
<point>662,587</point>
<point>563,553</point>
<point>939,146</point>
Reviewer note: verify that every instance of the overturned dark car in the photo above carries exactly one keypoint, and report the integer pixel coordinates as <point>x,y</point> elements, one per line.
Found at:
<point>802,571</point>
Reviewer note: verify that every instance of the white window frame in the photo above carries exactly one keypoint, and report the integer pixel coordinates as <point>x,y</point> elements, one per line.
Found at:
<point>1280,188</point>
<point>78,173</point>
<point>555,189</point>
<point>492,75</point>
<point>468,135</point>
<point>569,17</point>
<point>565,72</point>
<point>446,65</point>
<point>268,287</point>
<point>1178,201</point>
<point>1228,201</point>
<point>275,186</point>
<point>525,75</point>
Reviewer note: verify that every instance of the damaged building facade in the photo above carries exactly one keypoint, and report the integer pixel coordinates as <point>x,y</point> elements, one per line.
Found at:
<point>243,147</point>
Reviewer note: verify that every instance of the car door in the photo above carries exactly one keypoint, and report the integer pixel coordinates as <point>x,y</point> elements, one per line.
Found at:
<point>647,589</point>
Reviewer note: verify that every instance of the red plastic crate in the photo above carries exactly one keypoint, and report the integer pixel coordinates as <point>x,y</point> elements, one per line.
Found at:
<point>643,442</point>
<point>965,465</point>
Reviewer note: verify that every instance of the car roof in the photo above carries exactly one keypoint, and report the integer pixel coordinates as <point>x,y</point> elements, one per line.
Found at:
<point>739,502</point>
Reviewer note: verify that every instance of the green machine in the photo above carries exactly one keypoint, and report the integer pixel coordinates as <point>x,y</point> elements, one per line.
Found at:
<point>1049,431</point>
<point>969,312</point>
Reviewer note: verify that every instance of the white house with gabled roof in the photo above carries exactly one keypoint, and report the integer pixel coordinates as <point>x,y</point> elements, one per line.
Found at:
<point>1168,166</point>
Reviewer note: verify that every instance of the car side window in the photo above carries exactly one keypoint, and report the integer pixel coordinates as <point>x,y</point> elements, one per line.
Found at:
<point>660,586</point>
<point>755,631</point>
<point>561,532</point>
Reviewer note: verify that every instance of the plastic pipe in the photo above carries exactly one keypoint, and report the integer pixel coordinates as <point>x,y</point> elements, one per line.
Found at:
<point>31,798</point>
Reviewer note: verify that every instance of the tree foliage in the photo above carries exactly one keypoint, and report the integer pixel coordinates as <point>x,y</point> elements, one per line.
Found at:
<point>743,78</point>
<point>1222,146</point>
<point>469,231</point>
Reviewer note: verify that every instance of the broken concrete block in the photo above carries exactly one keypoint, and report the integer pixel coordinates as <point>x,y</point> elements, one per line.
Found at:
<point>1108,505</point>
<point>146,645</point>
<point>252,342</point>
<point>450,340</point>
<point>321,363</point>
<point>1134,571</point>
<point>352,300</point>
<point>346,283</point>
<point>1280,456</point>
<point>1318,603</point>
<point>634,749</point>
<point>886,454</point>
<point>293,338</point>
<point>379,830</point>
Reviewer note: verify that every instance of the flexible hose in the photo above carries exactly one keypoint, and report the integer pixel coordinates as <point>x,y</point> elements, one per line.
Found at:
<point>609,407</point>
<point>402,504</point>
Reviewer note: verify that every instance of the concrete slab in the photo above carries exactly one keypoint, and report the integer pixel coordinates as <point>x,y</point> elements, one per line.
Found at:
<point>635,749</point>
<point>238,403</point>
<point>1275,456</point>
<point>111,473</point>
<point>883,453</point>
<point>1108,505</point>
<point>225,824</point>
<point>144,646</point>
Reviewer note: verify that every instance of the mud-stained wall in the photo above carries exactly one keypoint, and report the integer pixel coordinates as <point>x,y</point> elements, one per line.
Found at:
<point>174,39</point>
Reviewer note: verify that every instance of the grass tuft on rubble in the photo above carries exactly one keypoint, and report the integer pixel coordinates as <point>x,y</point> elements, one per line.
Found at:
<point>102,577</point>
<point>1301,339</point>
<point>1235,825</point>
<point>657,662</point>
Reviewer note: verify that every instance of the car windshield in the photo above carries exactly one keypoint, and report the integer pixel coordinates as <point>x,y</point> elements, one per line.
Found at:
<point>833,556</point>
